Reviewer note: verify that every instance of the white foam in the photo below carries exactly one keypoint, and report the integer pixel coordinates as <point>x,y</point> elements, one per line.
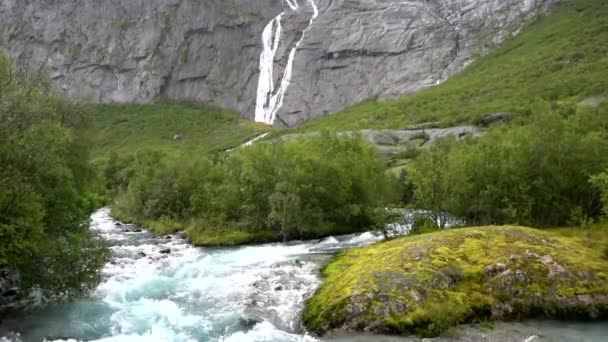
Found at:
<point>193,294</point>
<point>266,332</point>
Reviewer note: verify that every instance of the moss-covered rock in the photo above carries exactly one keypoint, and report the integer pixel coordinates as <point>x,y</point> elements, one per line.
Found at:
<point>426,284</point>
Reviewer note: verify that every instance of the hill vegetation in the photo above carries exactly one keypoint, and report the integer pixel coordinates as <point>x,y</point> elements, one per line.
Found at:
<point>557,60</point>
<point>309,188</point>
<point>168,126</point>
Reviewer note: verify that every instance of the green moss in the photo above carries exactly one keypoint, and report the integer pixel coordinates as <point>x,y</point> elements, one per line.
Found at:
<point>123,23</point>
<point>236,12</point>
<point>427,283</point>
<point>230,237</point>
<point>184,52</point>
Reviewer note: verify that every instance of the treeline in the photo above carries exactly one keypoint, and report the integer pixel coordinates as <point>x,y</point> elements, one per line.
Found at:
<point>44,182</point>
<point>310,187</point>
<point>542,171</point>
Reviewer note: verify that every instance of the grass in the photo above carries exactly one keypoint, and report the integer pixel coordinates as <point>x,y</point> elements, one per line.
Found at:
<point>557,60</point>
<point>429,283</point>
<point>229,237</point>
<point>126,128</point>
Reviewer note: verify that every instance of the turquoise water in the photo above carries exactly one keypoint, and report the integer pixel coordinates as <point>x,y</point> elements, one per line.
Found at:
<point>251,293</point>
<point>190,294</point>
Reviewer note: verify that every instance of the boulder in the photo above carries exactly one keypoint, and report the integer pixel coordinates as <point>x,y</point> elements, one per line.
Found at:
<point>425,284</point>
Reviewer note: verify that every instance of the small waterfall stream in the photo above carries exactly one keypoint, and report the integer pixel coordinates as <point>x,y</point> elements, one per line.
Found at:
<point>269,98</point>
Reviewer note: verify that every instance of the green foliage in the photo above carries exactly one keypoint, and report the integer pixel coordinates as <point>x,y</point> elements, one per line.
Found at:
<point>127,128</point>
<point>425,284</point>
<point>423,224</point>
<point>600,181</point>
<point>533,174</point>
<point>561,59</point>
<point>307,188</point>
<point>44,179</point>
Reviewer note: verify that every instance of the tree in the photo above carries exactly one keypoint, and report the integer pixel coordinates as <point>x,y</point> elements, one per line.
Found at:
<point>600,181</point>
<point>44,179</point>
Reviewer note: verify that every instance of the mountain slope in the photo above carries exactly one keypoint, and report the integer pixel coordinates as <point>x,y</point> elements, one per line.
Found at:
<point>556,61</point>
<point>175,127</point>
<point>209,51</point>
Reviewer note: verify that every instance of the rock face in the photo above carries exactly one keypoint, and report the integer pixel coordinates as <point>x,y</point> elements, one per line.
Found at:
<point>137,50</point>
<point>10,292</point>
<point>425,284</point>
<point>393,142</point>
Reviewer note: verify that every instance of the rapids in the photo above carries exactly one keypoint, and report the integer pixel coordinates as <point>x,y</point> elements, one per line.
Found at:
<point>163,289</point>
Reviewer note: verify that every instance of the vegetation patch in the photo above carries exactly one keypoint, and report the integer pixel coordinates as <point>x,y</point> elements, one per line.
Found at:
<point>560,60</point>
<point>46,190</point>
<point>271,191</point>
<point>170,126</point>
<point>428,283</point>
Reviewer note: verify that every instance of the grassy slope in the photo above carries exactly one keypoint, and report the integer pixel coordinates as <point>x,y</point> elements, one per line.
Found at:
<point>124,128</point>
<point>428,283</point>
<point>560,59</point>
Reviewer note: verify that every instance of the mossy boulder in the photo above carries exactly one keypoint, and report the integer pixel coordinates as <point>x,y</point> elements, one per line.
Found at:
<point>425,284</point>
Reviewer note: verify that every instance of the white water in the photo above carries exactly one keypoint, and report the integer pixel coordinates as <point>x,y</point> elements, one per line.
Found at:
<point>247,294</point>
<point>270,99</point>
<point>249,142</point>
<point>253,293</point>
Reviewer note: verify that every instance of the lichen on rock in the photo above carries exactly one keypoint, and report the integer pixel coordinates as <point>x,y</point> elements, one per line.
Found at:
<point>426,284</point>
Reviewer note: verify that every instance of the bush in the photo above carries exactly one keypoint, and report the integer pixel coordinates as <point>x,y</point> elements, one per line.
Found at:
<point>536,174</point>
<point>422,224</point>
<point>600,181</point>
<point>305,188</point>
<point>44,188</point>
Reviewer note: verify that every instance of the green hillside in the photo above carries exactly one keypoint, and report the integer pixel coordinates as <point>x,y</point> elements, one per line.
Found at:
<point>169,126</point>
<point>557,60</point>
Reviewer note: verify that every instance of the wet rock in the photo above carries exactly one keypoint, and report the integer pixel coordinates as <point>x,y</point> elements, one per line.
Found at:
<point>247,323</point>
<point>279,288</point>
<point>141,255</point>
<point>165,251</point>
<point>168,237</point>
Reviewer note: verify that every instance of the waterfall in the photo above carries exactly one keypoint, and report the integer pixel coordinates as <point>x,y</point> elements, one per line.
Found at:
<point>269,100</point>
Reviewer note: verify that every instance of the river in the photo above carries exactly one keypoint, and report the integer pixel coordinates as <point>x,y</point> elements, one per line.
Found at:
<point>163,289</point>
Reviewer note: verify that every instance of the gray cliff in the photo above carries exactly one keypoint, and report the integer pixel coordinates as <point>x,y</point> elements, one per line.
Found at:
<point>209,50</point>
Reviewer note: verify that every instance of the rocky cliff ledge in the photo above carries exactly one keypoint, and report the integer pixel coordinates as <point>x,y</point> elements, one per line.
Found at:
<point>137,50</point>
